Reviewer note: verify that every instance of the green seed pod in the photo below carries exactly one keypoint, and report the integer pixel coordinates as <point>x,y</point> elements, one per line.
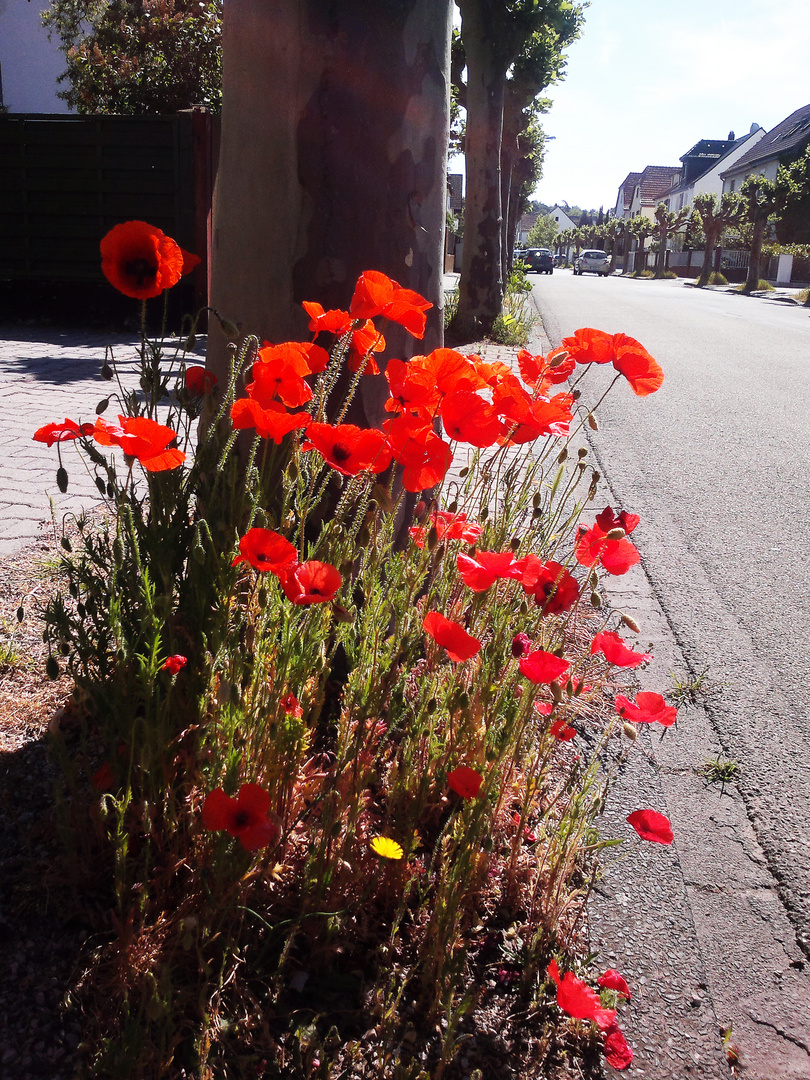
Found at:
<point>52,668</point>
<point>596,600</point>
<point>62,479</point>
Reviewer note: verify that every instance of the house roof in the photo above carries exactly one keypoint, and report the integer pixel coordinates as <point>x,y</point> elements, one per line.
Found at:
<point>793,133</point>
<point>627,187</point>
<point>654,181</point>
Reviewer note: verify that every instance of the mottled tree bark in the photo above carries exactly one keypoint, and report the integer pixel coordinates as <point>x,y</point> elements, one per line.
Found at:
<point>333,161</point>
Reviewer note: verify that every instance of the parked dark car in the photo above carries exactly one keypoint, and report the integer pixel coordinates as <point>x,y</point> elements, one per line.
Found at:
<point>539,261</point>
<point>592,262</point>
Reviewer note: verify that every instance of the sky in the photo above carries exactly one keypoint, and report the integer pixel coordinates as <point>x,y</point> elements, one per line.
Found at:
<point>648,79</point>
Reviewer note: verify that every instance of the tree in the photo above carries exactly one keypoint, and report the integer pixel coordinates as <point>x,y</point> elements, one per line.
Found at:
<point>641,227</point>
<point>494,33</point>
<point>543,233</point>
<point>669,221</point>
<point>332,162</point>
<point>713,216</point>
<point>614,229</point>
<point>793,180</point>
<point>132,56</point>
<point>760,202</point>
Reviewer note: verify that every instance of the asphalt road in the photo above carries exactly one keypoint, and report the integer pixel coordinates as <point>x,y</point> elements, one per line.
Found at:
<point>717,464</point>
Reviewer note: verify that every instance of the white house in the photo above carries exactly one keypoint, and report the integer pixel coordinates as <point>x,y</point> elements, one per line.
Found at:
<point>787,140</point>
<point>705,162</point>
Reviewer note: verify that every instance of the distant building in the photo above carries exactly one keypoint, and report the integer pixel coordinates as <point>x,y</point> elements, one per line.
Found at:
<point>703,164</point>
<point>563,219</point>
<point>30,63</point>
<point>624,198</point>
<point>650,186</point>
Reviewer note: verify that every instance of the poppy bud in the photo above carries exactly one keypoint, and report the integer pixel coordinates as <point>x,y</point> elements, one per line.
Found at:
<point>596,600</point>
<point>558,359</point>
<point>100,485</point>
<point>106,371</point>
<point>66,544</point>
<point>118,551</point>
<point>562,456</point>
<point>191,341</point>
<point>261,597</point>
<point>484,512</point>
<point>382,497</point>
<point>582,452</point>
<point>629,621</point>
<point>363,537</point>
<point>102,406</point>
<point>616,534</point>
<point>432,538</point>
<point>431,706</point>
<point>110,491</point>
<point>569,687</point>
<point>514,543</point>
<point>52,668</point>
<point>20,613</point>
<point>556,692</point>
<point>629,731</point>
<point>231,329</point>
<point>62,479</point>
<point>593,423</point>
<point>593,579</point>
<point>463,472</point>
<point>453,507</point>
<point>341,614</point>
<point>576,394</point>
<point>537,500</point>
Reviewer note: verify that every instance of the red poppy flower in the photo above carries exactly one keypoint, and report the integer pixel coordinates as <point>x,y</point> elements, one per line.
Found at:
<point>648,708</point>
<point>291,705</point>
<point>521,645</point>
<point>465,781</point>
<point>617,556</point>
<point>279,373</point>
<point>349,449</point>
<point>52,433</point>
<point>616,651</point>
<point>543,667</point>
<point>470,419</point>
<point>245,817</point>
<point>377,294</point>
<point>450,370</point>
<point>422,455</point>
<point>527,419</point>
<point>141,438</point>
<point>527,832</point>
<point>411,388</point>
<point>199,380</point>
<point>554,589</point>
<point>588,346</point>
<point>173,664</point>
<point>452,637</point>
<point>366,339</point>
<point>189,261</point>
<point>607,520</point>
<point>103,777</point>
<point>634,362</point>
<point>480,573</point>
<point>540,372</point>
<point>618,1054</point>
<point>492,373</point>
<point>563,731</point>
<point>332,322</point>
<point>650,825</point>
<point>140,260</point>
<point>544,708</point>
<point>266,550</point>
<point>274,422</point>
<point>578,1000</point>
<point>612,980</point>
<point>310,582</point>
<point>449,527</point>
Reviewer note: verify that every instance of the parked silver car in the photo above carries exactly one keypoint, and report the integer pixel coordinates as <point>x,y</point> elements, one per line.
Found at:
<point>592,262</point>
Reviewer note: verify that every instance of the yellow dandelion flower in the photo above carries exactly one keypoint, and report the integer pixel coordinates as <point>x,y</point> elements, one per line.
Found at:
<point>386,848</point>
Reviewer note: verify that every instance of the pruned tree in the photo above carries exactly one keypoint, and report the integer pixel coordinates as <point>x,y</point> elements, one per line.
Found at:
<point>641,227</point>
<point>668,222</point>
<point>614,230</point>
<point>137,56</point>
<point>332,162</point>
<point>761,200</point>
<point>495,34</point>
<point>713,215</point>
